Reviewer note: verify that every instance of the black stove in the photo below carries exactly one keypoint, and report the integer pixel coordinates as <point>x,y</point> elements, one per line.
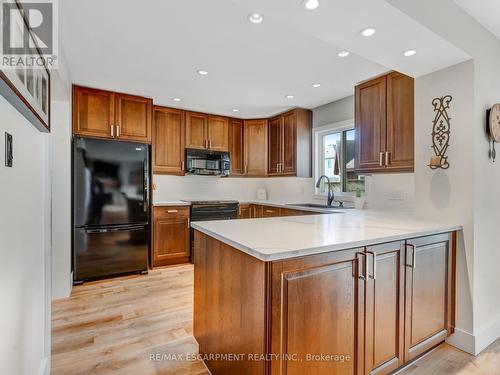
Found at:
<point>213,210</point>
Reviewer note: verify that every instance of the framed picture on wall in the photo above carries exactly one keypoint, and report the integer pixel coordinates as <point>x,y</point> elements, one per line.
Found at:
<point>25,85</point>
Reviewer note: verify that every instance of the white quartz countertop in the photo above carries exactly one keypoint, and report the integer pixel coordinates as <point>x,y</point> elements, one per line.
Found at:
<point>171,203</point>
<point>288,237</point>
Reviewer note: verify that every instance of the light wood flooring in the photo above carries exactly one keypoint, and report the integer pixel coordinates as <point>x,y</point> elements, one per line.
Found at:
<point>114,326</point>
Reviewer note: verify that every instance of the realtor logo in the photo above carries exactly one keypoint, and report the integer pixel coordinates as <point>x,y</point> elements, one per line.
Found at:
<point>29,33</point>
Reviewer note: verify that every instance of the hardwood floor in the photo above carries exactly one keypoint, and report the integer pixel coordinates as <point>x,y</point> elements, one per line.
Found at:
<point>115,326</point>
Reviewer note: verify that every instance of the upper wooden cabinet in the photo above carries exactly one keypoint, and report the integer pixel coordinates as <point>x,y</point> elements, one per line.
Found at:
<point>217,133</point>
<point>236,146</point>
<point>384,124</point>
<point>255,147</point>
<point>168,141</point>
<point>207,132</point>
<point>290,136</point>
<point>105,114</point>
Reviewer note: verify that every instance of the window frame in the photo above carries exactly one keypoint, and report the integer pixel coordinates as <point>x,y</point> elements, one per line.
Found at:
<point>318,133</point>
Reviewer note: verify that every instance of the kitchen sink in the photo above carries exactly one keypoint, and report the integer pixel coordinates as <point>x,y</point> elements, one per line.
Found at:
<point>322,206</point>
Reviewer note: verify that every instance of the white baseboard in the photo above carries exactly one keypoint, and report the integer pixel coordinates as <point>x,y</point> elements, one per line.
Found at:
<point>488,335</point>
<point>463,340</point>
<point>44,366</point>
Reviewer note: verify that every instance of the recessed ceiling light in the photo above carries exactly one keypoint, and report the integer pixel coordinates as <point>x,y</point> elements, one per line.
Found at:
<point>202,72</point>
<point>289,96</point>
<point>236,110</point>
<point>368,31</point>
<point>176,99</point>
<point>343,53</point>
<point>409,53</point>
<point>255,18</point>
<point>315,85</point>
<point>311,4</point>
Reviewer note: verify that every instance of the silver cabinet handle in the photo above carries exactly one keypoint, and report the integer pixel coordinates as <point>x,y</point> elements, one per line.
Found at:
<point>117,130</point>
<point>270,211</point>
<point>182,165</point>
<point>374,265</point>
<point>209,143</point>
<point>112,130</point>
<point>413,256</point>
<point>380,159</point>
<point>387,154</point>
<point>172,211</point>
<point>363,275</point>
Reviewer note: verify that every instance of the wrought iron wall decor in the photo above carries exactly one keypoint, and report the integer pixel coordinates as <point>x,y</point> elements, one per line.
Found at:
<point>440,132</point>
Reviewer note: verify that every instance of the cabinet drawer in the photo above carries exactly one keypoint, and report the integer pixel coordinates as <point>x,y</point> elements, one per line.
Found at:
<point>164,212</point>
<point>268,211</point>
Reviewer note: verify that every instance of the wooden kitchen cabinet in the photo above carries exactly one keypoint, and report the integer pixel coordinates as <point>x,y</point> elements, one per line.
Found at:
<point>290,135</point>
<point>236,143</point>
<point>317,308</point>
<point>255,147</point>
<point>93,112</point>
<point>244,211</point>
<point>168,141</point>
<point>384,112</point>
<point>207,132</point>
<point>196,130</point>
<point>105,114</point>
<point>171,235</point>
<point>430,292</point>
<point>133,118</point>
<point>379,307</point>
<point>218,133</point>
<point>400,122</point>
<point>384,308</point>
<point>257,211</point>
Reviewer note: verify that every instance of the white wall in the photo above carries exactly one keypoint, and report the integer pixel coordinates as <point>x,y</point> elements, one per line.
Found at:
<point>60,146</point>
<point>451,22</point>
<point>447,194</point>
<point>339,110</point>
<point>24,248</point>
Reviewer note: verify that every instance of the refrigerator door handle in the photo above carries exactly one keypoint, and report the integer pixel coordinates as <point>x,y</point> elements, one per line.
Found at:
<point>146,186</point>
<point>91,231</point>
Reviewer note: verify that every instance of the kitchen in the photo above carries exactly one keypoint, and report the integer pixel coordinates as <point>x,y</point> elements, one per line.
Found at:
<point>304,194</point>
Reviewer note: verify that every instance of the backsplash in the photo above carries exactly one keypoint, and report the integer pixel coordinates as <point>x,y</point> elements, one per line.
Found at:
<point>383,192</point>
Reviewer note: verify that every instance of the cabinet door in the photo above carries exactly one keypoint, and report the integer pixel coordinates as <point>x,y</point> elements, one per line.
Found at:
<point>168,141</point>
<point>255,147</point>
<point>170,236</point>
<point>236,146</point>
<point>218,133</point>
<point>384,309</point>
<point>289,145</point>
<point>133,118</point>
<point>93,112</point>
<point>275,139</point>
<point>256,211</point>
<point>317,308</point>
<point>400,128</point>
<point>430,283</point>
<point>370,123</point>
<point>244,211</point>
<point>196,130</point>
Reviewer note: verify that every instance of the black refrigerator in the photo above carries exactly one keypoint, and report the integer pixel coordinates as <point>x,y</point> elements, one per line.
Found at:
<point>110,208</point>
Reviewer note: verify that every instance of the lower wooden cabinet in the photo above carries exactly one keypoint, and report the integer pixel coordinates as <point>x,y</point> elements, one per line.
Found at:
<point>430,290</point>
<point>244,211</point>
<point>370,310</point>
<point>171,235</point>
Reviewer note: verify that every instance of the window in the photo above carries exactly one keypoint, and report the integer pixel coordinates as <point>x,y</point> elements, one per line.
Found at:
<point>335,153</point>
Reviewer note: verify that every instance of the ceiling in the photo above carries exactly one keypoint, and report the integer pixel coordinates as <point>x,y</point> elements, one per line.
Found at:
<point>155,47</point>
<point>486,12</point>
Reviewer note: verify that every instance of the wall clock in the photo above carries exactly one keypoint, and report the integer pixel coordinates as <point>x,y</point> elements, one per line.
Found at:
<point>493,128</point>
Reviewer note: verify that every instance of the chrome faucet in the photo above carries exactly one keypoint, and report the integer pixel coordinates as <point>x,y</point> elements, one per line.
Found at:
<point>329,201</point>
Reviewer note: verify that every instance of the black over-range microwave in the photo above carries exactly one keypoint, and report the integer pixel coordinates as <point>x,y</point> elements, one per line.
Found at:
<point>208,163</point>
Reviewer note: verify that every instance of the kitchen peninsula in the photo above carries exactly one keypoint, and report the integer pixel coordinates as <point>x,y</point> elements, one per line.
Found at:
<point>355,292</point>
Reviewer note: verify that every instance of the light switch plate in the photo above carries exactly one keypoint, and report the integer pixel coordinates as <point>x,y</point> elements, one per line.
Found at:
<point>9,156</point>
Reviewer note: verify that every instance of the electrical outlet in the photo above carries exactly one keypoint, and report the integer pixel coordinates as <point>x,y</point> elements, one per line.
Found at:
<point>9,156</point>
